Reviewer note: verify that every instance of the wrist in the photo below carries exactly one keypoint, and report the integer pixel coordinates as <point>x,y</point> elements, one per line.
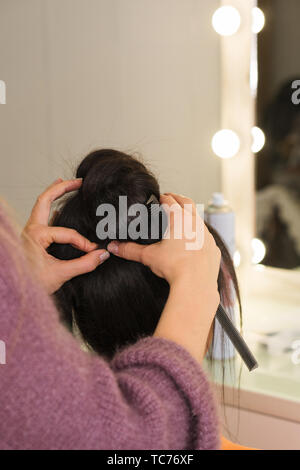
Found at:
<point>189,284</point>
<point>188,315</point>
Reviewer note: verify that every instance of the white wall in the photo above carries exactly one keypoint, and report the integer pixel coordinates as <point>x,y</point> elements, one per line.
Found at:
<point>139,75</point>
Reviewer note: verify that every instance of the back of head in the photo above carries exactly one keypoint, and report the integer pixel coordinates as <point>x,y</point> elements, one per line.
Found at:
<point>121,300</point>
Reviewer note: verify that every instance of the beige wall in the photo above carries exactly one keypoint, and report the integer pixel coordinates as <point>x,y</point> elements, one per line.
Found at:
<point>140,75</point>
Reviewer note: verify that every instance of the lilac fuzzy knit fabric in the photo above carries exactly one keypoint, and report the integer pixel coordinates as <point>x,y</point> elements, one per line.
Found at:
<point>152,395</point>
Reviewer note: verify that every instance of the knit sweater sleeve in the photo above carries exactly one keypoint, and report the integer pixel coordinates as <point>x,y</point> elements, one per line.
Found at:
<point>152,395</point>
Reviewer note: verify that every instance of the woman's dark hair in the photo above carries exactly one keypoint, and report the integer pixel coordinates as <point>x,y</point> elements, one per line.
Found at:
<point>121,301</point>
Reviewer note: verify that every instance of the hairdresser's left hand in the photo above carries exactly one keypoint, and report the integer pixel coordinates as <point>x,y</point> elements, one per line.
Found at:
<point>37,236</point>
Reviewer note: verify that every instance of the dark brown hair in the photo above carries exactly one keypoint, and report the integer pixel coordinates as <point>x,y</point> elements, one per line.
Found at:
<point>121,301</point>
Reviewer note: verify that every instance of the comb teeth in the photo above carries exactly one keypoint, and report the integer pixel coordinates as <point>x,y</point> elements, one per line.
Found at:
<point>153,205</point>
<point>152,200</point>
<point>155,210</point>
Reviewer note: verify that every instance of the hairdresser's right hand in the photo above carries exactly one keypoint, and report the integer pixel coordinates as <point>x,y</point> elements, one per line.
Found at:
<point>188,315</point>
<point>170,258</point>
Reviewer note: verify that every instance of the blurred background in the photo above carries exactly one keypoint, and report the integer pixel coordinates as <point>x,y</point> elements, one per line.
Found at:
<point>278,163</point>
<point>141,76</point>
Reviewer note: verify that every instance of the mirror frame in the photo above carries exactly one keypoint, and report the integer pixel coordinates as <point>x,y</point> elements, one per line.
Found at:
<point>238,100</point>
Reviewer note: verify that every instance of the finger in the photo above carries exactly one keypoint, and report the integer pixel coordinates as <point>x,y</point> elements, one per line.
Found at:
<point>168,199</point>
<point>41,210</point>
<point>184,201</point>
<point>208,236</point>
<point>53,217</point>
<point>127,250</point>
<point>174,213</point>
<point>66,236</point>
<point>58,180</point>
<point>84,264</point>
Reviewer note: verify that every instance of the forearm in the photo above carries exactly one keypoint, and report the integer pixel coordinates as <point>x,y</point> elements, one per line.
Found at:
<point>188,315</point>
<point>62,398</point>
<point>55,396</point>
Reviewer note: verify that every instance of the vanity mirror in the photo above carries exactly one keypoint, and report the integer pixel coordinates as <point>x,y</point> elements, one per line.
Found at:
<point>259,63</point>
<point>278,115</point>
<point>260,73</point>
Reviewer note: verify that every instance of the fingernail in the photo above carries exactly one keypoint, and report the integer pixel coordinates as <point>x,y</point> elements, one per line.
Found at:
<point>113,247</point>
<point>104,256</point>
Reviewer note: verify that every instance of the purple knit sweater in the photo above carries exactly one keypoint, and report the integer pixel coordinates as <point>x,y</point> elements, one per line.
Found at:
<point>152,395</point>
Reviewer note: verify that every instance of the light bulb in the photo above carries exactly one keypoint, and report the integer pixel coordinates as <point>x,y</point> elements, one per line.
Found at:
<point>258,20</point>
<point>225,143</point>
<point>296,353</point>
<point>258,250</point>
<point>226,20</point>
<point>259,268</point>
<point>237,259</point>
<point>258,139</point>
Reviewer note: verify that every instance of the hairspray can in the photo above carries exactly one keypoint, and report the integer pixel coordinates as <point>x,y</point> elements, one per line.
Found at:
<point>222,218</point>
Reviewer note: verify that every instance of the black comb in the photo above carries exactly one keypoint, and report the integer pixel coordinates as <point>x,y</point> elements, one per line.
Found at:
<point>157,219</point>
<point>231,331</point>
<point>236,338</point>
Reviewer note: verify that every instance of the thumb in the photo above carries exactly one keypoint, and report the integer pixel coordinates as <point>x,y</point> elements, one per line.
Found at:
<point>128,250</point>
<point>82,265</point>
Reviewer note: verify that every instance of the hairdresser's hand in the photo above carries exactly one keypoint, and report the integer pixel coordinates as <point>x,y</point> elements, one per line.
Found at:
<point>172,258</point>
<point>192,274</point>
<point>37,236</point>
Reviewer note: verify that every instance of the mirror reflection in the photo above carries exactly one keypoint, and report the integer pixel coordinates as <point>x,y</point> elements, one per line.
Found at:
<point>278,115</point>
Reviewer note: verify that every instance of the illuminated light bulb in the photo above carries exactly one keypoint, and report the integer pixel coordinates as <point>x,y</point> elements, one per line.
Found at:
<point>225,143</point>
<point>258,250</point>
<point>226,21</point>
<point>296,354</point>
<point>258,20</point>
<point>237,259</point>
<point>259,268</point>
<point>258,139</point>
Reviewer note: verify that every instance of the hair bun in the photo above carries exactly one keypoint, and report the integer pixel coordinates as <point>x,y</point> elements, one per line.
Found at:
<point>96,158</point>
<point>108,174</point>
